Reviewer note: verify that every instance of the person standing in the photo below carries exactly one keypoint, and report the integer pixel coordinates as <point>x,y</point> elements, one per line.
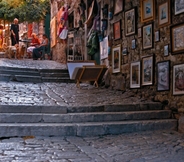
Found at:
<point>15,32</point>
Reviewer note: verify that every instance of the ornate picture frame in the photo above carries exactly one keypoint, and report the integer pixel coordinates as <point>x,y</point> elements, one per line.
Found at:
<point>163,76</point>
<point>130,22</point>
<point>178,7</point>
<point>178,79</point>
<point>116,59</point>
<point>118,6</point>
<point>147,10</point>
<point>117,30</point>
<point>164,14</point>
<point>147,70</point>
<point>135,74</point>
<point>177,39</point>
<point>147,36</point>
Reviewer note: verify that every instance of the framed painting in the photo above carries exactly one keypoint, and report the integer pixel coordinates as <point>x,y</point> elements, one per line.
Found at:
<point>117,30</point>
<point>164,14</point>
<point>166,50</point>
<point>178,79</point>
<point>178,7</point>
<point>116,59</point>
<point>130,22</point>
<point>147,70</point>
<point>104,45</point>
<point>147,39</point>
<point>147,10</point>
<point>125,51</point>
<point>177,38</point>
<point>135,73</point>
<point>157,36</point>
<point>139,32</point>
<point>118,6</point>
<point>163,76</point>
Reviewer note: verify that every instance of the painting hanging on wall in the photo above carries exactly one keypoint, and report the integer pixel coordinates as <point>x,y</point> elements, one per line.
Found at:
<point>164,14</point>
<point>147,39</point>
<point>177,38</point>
<point>147,10</point>
<point>104,48</point>
<point>135,72</point>
<point>116,59</point>
<point>130,22</point>
<point>163,76</point>
<point>178,7</point>
<point>147,70</point>
<point>178,79</point>
<point>118,6</point>
<point>117,30</point>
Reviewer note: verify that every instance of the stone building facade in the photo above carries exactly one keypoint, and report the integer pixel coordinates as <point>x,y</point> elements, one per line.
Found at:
<point>165,20</point>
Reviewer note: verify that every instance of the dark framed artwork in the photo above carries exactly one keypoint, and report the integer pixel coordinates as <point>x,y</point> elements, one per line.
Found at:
<point>164,14</point>
<point>147,34</point>
<point>177,38</point>
<point>147,70</point>
<point>163,76</point>
<point>130,22</point>
<point>116,59</point>
<point>178,7</point>
<point>135,74</point>
<point>157,36</point>
<point>133,43</point>
<point>178,79</point>
<point>118,6</point>
<point>147,10</point>
<point>166,50</point>
<point>117,30</point>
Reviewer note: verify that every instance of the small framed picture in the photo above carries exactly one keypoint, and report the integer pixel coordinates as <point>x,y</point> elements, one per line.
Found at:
<point>139,32</point>
<point>118,6</point>
<point>178,79</point>
<point>163,76</point>
<point>147,70</point>
<point>125,51</point>
<point>178,7</point>
<point>117,30</point>
<point>116,59</point>
<point>157,36</point>
<point>147,36</point>
<point>135,72</point>
<point>166,50</point>
<point>133,44</point>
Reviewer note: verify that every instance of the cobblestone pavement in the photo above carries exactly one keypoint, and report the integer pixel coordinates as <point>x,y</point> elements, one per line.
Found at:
<point>151,146</point>
<point>135,147</point>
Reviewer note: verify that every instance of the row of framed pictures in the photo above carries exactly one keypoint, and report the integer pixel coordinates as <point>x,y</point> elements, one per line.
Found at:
<point>142,74</point>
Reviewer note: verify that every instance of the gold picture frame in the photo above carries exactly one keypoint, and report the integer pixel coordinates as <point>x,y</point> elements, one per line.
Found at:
<point>147,10</point>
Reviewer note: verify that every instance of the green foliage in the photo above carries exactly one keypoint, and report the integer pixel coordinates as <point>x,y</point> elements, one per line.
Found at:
<point>24,10</point>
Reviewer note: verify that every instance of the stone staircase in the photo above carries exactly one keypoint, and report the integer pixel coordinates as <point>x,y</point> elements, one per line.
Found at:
<point>34,75</point>
<point>83,121</point>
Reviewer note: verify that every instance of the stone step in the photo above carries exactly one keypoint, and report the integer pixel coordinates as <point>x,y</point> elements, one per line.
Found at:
<point>20,72</point>
<point>79,109</point>
<point>84,129</point>
<point>83,117</point>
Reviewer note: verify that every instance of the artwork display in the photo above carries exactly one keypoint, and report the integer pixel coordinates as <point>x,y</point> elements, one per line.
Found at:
<point>177,38</point>
<point>125,51</point>
<point>117,30</point>
<point>118,6</point>
<point>147,36</point>
<point>163,76</point>
<point>147,70</point>
<point>164,14</point>
<point>133,44</point>
<point>147,10</point>
<point>116,59</point>
<point>135,72</point>
<point>104,45</point>
<point>166,50</point>
<point>178,6</point>
<point>130,22</point>
<point>178,79</point>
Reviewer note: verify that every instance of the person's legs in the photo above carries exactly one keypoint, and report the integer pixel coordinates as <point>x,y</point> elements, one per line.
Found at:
<point>36,53</point>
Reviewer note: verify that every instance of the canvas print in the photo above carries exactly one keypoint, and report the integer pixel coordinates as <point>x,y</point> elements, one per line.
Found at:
<point>147,70</point>
<point>178,7</point>
<point>163,73</point>
<point>130,22</point>
<point>135,74</point>
<point>178,79</point>
<point>147,36</point>
<point>116,59</point>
